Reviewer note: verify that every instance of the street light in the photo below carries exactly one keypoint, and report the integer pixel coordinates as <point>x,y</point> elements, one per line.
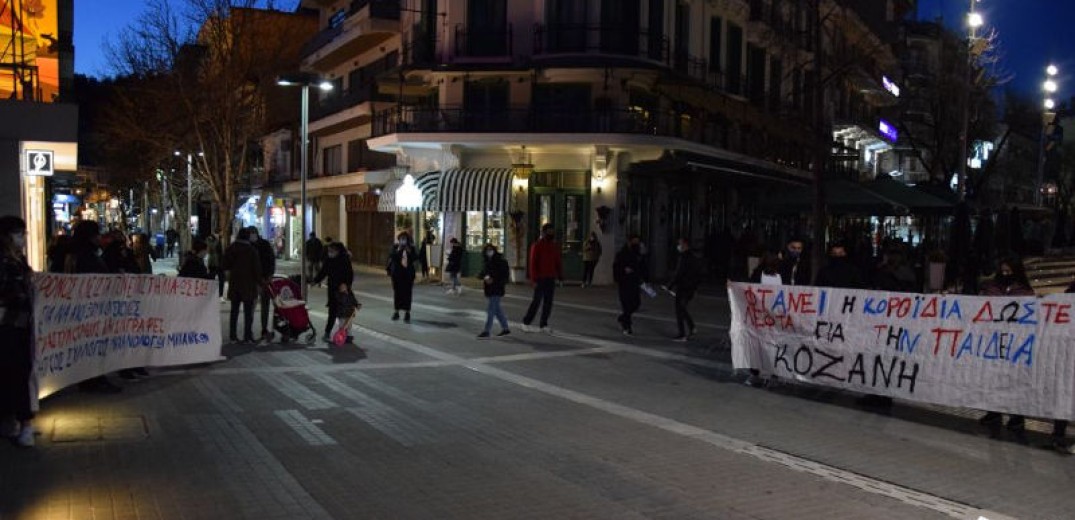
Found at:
<point>304,80</point>
<point>974,21</point>
<point>1050,86</point>
<point>190,213</point>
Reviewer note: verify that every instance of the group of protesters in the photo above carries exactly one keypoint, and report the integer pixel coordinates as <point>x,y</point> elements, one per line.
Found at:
<point>894,274</point>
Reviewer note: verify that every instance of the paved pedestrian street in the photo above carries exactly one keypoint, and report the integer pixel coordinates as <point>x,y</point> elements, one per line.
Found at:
<point>425,421</point>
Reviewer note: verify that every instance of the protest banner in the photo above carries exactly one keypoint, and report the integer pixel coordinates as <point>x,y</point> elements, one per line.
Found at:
<point>87,325</point>
<point>999,353</point>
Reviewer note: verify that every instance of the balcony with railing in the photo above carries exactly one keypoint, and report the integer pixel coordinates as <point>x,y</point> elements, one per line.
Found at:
<point>483,43</point>
<point>365,24</point>
<point>598,42</point>
<point>348,108</point>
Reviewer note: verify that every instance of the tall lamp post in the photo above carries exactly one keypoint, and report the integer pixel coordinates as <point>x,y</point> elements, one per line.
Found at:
<point>304,80</point>
<point>974,21</point>
<point>1049,87</point>
<point>190,211</point>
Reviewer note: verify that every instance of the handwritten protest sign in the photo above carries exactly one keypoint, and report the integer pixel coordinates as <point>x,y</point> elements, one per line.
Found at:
<point>1005,354</point>
<point>88,325</point>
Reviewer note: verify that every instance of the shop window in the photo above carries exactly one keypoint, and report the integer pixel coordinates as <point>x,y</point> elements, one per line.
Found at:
<point>573,206</point>
<point>475,231</point>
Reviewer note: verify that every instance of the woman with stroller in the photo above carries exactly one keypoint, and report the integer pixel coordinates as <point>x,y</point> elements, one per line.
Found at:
<point>337,269</point>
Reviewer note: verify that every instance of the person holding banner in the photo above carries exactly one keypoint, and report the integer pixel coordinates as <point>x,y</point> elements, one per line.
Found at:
<point>795,266</point>
<point>84,256</point>
<point>16,327</point>
<point>628,274</point>
<point>194,262</point>
<point>839,272</point>
<point>1010,280</point>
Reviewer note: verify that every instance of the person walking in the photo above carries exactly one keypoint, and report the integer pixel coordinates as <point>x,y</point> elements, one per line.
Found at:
<point>84,256</point>
<point>337,269</point>
<point>1010,280</point>
<point>455,266</point>
<point>243,265</point>
<point>545,267</point>
<point>684,285</point>
<point>267,257</point>
<point>315,254</point>
<point>401,268</point>
<point>16,327</point>
<point>171,237</point>
<point>591,254</point>
<point>193,265</point>
<point>629,276</point>
<point>494,276</point>
<point>215,261</point>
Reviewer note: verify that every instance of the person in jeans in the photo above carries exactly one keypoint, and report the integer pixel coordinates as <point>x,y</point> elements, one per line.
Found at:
<point>494,276</point>
<point>244,278</point>
<point>684,284</point>
<point>455,265</point>
<point>628,273</point>
<point>545,268</point>
<point>267,257</point>
<point>16,327</point>
<point>591,254</point>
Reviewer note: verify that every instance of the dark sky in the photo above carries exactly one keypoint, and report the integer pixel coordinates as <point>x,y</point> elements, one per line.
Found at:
<point>1032,33</point>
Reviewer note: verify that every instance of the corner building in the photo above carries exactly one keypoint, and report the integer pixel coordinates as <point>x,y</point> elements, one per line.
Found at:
<point>664,118</point>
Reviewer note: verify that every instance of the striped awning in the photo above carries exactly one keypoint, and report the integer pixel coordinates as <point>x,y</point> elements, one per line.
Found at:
<point>429,183</point>
<point>387,202</point>
<point>475,189</point>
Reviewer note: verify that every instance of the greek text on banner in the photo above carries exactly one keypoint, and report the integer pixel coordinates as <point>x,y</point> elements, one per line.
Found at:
<point>1004,354</point>
<point>88,325</point>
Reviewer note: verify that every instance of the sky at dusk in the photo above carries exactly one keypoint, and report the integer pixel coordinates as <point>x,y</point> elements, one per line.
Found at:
<point>1032,33</point>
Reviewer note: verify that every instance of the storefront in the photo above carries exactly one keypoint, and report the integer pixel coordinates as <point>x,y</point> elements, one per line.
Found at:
<point>561,198</point>
<point>410,202</point>
<point>475,203</point>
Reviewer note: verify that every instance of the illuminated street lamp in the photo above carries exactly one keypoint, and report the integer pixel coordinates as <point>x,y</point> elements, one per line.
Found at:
<point>1050,86</point>
<point>975,20</point>
<point>304,80</point>
<point>190,214</point>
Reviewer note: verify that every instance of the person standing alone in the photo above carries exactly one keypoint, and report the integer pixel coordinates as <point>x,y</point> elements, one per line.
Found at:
<point>455,265</point>
<point>684,284</point>
<point>591,254</point>
<point>401,268</point>
<point>628,274</point>
<point>16,327</point>
<point>545,268</point>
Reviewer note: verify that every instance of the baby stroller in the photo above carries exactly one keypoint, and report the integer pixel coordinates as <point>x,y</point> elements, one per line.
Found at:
<point>290,317</point>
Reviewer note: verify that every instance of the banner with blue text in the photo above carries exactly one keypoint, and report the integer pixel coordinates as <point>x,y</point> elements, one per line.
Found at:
<point>87,325</point>
<point>1000,353</point>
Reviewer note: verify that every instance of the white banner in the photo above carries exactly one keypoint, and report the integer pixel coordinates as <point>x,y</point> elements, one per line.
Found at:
<point>88,325</point>
<point>1004,354</point>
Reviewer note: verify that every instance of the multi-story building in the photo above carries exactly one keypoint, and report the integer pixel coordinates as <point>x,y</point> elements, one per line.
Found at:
<point>39,140</point>
<point>663,118</point>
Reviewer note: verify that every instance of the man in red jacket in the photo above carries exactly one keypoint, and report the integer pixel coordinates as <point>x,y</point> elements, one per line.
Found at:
<point>544,269</point>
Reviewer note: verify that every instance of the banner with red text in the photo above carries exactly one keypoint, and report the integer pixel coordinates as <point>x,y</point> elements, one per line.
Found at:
<point>999,353</point>
<point>87,325</point>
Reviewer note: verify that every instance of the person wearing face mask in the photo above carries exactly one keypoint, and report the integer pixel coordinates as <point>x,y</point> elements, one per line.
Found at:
<point>401,268</point>
<point>628,273</point>
<point>85,256</point>
<point>1010,280</point>
<point>684,284</point>
<point>16,327</point>
<point>194,262</point>
<point>494,277</point>
<point>794,264</point>
<point>336,267</point>
<point>839,272</point>
<point>545,267</point>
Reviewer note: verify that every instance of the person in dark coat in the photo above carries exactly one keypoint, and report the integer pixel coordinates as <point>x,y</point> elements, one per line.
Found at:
<point>141,252</point>
<point>494,275</point>
<point>57,253</point>
<point>839,272</point>
<point>16,327</point>
<point>194,262</point>
<point>628,274</point>
<point>401,268</point>
<point>118,255</point>
<point>267,257</point>
<point>455,266</point>
<point>684,285</point>
<point>795,265</point>
<point>338,271</point>
<point>423,256</point>
<point>171,237</point>
<point>315,254</point>
<point>84,256</point>
<point>244,283</point>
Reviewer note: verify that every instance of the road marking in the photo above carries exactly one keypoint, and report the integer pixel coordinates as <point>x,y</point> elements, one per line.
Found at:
<point>305,428</point>
<point>830,473</point>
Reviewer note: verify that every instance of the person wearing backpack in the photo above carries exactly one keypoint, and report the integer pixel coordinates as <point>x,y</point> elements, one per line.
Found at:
<point>684,285</point>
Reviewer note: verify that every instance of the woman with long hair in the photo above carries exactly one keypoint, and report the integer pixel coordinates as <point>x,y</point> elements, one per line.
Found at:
<point>16,326</point>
